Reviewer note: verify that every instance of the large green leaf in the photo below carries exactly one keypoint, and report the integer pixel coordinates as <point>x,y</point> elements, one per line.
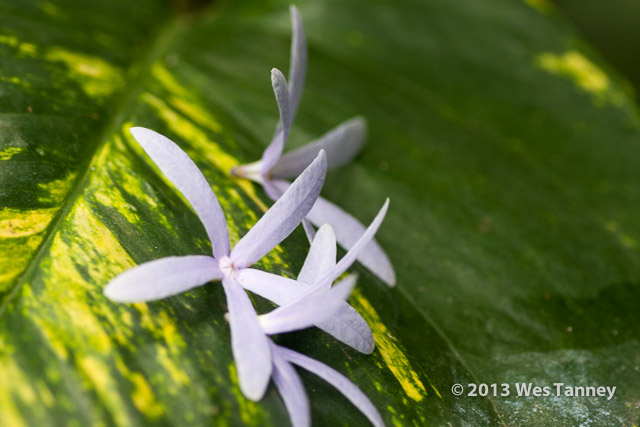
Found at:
<point>509,152</point>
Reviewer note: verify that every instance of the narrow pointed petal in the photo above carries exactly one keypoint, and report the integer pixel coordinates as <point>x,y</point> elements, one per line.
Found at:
<point>272,191</point>
<point>337,380</point>
<point>352,254</point>
<point>277,289</point>
<point>288,100</point>
<point>283,216</point>
<point>348,230</point>
<point>283,99</point>
<point>162,278</point>
<point>321,257</point>
<point>275,189</point>
<point>298,61</point>
<point>349,327</point>
<point>309,230</point>
<point>249,343</point>
<point>341,144</point>
<point>315,305</point>
<point>291,390</point>
<point>176,165</point>
<point>274,150</point>
<point>272,153</point>
<point>346,325</point>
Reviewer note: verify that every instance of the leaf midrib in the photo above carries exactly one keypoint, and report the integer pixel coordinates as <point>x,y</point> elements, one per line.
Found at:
<point>162,39</point>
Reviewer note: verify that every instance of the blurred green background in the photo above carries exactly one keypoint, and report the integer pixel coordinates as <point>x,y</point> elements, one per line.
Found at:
<point>612,27</point>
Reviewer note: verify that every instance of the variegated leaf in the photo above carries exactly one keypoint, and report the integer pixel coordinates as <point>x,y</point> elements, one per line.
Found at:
<point>510,156</point>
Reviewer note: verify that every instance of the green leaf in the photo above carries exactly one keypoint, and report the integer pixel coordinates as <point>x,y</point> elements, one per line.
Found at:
<point>510,154</point>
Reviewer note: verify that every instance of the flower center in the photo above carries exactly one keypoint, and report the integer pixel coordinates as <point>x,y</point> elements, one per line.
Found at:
<point>227,268</point>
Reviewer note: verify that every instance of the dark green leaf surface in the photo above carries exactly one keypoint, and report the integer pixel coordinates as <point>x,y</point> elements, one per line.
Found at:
<point>509,152</point>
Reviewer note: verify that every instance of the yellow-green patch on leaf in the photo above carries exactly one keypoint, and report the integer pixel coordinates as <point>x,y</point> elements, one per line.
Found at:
<point>390,349</point>
<point>586,74</point>
<point>97,77</point>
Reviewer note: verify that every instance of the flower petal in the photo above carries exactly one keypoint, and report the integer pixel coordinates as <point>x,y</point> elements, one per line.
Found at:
<point>315,305</point>
<point>272,191</point>
<point>275,190</point>
<point>349,327</point>
<point>352,254</point>
<point>291,390</point>
<point>337,380</point>
<point>176,165</point>
<point>346,325</point>
<point>273,152</point>
<point>341,145</point>
<point>297,74</point>
<point>348,232</point>
<point>162,278</point>
<point>298,61</point>
<point>249,343</point>
<point>283,216</point>
<point>309,230</point>
<point>321,257</point>
<point>277,289</point>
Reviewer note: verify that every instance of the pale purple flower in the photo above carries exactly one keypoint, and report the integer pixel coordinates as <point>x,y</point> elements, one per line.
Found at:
<point>170,276</point>
<point>309,301</point>
<point>340,144</point>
